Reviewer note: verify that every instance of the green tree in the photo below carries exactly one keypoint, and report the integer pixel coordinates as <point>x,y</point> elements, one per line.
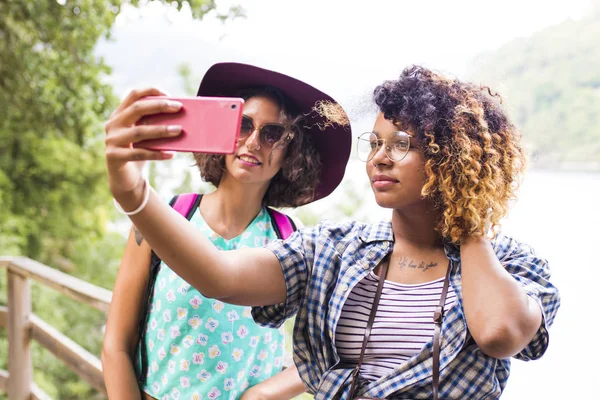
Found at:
<point>54,202</point>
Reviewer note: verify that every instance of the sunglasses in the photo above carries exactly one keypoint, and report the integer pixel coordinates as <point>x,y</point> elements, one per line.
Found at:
<point>269,134</point>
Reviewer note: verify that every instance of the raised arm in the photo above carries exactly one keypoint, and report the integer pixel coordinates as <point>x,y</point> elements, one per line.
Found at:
<point>246,277</point>
<point>504,298</point>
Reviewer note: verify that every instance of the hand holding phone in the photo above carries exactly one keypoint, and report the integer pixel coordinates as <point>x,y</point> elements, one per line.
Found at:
<point>209,125</point>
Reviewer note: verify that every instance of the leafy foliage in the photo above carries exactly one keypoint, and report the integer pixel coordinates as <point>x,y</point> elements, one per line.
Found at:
<point>54,202</point>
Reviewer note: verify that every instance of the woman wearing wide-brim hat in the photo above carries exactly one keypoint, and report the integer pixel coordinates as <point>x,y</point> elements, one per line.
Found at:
<point>163,337</point>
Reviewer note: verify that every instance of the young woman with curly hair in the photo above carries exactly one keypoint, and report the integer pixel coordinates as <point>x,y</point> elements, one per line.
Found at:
<point>432,304</point>
<point>176,342</point>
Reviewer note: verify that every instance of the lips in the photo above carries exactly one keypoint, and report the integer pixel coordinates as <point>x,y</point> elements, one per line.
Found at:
<point>383,179</point>
<point>247,158</point>
<point>383,182</point>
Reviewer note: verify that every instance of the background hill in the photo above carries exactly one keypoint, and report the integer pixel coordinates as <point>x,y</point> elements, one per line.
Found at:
<point>551,82</point>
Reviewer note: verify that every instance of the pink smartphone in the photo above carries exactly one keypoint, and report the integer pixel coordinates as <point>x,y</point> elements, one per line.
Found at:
<point>209,125</point>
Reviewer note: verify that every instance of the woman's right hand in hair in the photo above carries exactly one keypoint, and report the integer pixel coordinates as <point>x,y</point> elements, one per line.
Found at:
<point>123,161</point>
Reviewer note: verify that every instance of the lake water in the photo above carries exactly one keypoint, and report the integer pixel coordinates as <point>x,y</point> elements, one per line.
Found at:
<point>559,215</point>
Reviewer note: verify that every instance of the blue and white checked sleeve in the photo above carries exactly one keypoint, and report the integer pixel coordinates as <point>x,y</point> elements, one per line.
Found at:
<point>533,273</point>
<point>295,255</point>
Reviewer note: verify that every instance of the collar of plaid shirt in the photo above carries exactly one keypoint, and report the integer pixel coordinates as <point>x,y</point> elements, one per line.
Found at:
<point>321,266</point>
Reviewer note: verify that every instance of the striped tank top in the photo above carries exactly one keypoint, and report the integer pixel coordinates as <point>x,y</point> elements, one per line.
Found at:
<point>403,323</point>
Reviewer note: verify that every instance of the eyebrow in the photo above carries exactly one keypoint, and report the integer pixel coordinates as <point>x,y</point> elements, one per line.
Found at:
<point>266,123</point>
<point>409,135</point>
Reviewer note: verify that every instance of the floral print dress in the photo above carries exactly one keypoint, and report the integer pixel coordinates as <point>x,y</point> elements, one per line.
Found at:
<point>201,348</point>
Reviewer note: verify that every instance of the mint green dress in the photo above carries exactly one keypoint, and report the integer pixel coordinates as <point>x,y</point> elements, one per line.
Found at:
<point>201,348</point>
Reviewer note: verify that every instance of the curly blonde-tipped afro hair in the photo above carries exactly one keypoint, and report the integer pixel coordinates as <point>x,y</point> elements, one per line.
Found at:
<point>474,161</point>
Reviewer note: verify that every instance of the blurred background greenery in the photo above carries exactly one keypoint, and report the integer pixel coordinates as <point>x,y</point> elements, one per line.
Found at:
<point>56,92</point>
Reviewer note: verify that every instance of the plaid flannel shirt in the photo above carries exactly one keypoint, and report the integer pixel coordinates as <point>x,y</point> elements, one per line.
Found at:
<point>321,266</point>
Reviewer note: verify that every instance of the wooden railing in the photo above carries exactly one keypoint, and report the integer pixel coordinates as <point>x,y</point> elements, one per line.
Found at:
<point>23,326</point>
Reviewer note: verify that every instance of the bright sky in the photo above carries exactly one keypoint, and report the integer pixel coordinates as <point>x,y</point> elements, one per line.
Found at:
<point>344,50</point>
<point>348,49</point>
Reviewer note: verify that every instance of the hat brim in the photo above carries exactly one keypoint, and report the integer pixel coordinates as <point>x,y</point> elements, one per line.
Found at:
<point>332,141</point>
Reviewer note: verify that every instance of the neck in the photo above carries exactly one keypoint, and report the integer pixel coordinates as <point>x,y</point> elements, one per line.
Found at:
<point>416,228</point>
<point>230,209</point>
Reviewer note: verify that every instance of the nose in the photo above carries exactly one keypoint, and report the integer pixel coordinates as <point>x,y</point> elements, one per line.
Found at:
<point>253,141</point>
<point>380,157</point>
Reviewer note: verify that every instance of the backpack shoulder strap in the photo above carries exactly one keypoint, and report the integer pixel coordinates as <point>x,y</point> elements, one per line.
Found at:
<point>186,203</point>
<point>283,224</point>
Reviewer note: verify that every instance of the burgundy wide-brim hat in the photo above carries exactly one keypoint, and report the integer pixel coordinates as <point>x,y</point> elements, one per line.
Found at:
<point>332,141</point>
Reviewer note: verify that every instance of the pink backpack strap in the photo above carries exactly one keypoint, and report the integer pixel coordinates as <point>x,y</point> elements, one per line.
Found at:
<point>184,203</point>
<point>283,224</point>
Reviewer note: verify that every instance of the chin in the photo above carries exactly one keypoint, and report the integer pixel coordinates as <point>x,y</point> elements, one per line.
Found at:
<point>384,200</point>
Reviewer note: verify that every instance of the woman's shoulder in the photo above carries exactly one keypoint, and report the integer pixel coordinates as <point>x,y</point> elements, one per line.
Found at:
<point>506,245</point>
<point>518,257</point>
<point>352,229</point>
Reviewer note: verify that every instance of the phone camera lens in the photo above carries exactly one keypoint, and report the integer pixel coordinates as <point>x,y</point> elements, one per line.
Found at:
<point>233,106</point>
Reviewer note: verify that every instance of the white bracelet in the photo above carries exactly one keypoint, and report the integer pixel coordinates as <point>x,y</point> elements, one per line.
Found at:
<point>141,207</point>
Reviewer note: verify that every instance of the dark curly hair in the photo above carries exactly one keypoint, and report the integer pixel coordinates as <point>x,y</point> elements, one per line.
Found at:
<point>474,161</point>
<point>296,181</point>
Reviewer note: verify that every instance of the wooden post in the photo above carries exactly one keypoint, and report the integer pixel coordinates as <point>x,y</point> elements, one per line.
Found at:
<point>19,353</point>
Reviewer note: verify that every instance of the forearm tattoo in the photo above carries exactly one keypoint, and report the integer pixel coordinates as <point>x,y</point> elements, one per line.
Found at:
<point>404,262</point>
<point>138,236</point>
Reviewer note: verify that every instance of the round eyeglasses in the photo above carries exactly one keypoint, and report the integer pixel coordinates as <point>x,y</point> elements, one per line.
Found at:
<point>396,146</point>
